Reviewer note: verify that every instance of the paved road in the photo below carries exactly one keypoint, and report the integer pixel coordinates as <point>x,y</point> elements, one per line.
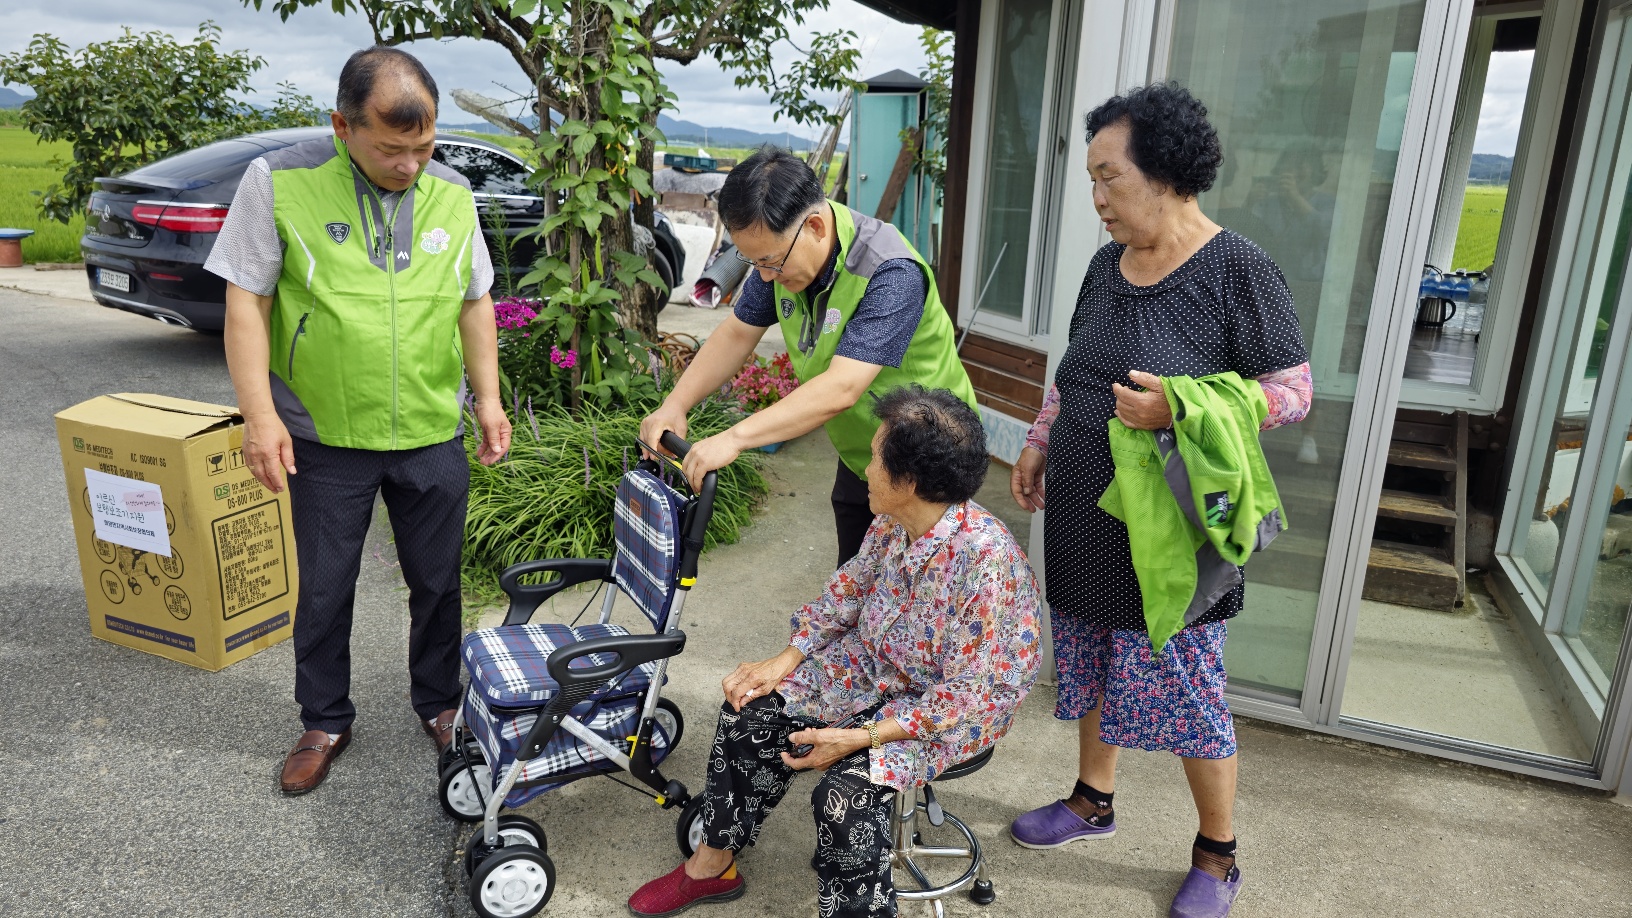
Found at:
<point>135,786</point>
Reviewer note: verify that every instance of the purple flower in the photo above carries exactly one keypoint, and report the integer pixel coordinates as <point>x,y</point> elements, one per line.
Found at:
<point>513,313</point>
<point>566,360</point>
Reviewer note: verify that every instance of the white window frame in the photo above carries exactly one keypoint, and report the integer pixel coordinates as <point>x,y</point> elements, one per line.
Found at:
<point>1521,218</point>
<point>1022,330</point>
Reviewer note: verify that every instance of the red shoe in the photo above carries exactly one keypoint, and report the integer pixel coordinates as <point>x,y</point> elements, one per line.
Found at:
<point>675,892</point>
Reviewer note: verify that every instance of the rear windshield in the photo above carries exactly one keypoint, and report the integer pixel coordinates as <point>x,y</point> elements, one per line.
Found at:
<point>225,159</point>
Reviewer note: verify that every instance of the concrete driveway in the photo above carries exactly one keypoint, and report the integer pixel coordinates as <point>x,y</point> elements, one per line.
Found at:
<point>141,787</point>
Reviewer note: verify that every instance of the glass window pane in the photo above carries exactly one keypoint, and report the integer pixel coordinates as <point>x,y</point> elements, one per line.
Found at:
<point>1011,153</point>
<point>1311,114</point>
<point>1595,627</point>
<point>487,171</point>
<point>1590,282</point>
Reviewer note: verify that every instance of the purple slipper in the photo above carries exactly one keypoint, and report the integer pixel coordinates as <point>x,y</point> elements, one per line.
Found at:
<point>1206,896</point>
<point>1055,825</point>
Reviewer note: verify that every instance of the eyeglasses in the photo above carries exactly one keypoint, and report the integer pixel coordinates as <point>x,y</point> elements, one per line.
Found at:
<point>776,268</point>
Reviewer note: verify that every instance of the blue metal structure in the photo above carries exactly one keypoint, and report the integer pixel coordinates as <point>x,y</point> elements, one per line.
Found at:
<point>887,105</point>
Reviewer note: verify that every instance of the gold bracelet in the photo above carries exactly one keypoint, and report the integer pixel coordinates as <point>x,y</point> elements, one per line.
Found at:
<point>872,732</point>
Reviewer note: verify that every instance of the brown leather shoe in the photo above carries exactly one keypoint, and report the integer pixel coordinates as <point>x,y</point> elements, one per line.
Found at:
<point>443,731</point>
<point>308,763</point>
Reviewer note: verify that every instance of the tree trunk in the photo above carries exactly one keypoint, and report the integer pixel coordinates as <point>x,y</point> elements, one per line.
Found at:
<point>639,308</point>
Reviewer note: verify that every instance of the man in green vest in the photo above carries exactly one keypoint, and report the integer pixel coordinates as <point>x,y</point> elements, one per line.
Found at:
<point>357,301</point>
<point>858,309</point>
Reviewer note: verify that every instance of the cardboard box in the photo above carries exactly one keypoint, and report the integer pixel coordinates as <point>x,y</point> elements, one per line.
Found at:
<point>184,553</point>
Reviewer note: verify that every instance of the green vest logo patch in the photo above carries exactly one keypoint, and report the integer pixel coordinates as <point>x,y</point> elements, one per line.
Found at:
<point>787,307</point>
<point>436,241</point>
<point>339,232</point>
<point>1219,508</point>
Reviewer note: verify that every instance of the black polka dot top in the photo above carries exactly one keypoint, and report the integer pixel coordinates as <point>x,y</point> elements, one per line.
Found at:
<point>1226,308</point>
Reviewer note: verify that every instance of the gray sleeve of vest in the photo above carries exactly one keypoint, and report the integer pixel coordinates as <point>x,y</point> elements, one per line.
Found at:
<point>481,262</point>
<point>887,316</point>
<point>248,252</point>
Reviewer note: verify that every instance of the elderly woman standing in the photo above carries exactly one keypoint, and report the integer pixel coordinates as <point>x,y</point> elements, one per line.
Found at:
<point>1172,295</point>
<point>928,638</point>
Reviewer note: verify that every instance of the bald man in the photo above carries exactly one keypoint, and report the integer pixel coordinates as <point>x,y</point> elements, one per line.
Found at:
<point>357,300</point>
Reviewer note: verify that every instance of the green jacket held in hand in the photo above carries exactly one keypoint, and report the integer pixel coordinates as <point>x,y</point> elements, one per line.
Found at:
<point>1197,499</point>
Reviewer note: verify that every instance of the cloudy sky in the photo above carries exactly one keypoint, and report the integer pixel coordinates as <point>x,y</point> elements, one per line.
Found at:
<point>309,49</point>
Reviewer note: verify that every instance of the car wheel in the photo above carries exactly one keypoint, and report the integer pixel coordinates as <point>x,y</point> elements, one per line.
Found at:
<point>660,263</point>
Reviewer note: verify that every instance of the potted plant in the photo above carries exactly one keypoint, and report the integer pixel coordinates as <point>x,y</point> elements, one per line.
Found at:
<point>761,384</point>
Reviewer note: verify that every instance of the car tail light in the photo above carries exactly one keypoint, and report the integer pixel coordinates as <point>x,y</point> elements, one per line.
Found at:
<point>181,218</point>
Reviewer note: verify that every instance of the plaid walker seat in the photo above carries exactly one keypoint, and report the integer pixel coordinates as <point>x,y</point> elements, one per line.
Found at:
<point>549,704</point>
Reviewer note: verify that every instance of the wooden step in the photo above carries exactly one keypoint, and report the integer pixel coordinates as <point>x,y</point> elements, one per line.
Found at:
<point>1421,456</point>
<point>1420,508</point>
<point>1410,575</point>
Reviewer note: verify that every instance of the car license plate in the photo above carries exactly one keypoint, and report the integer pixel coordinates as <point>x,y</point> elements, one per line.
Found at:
<point>113,280</point>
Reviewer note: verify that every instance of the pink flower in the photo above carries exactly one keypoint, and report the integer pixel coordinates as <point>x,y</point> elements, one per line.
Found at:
<point>565,361</point>
<point>514,313</point>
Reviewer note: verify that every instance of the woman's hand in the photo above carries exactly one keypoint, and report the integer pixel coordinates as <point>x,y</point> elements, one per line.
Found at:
<point>756,680</point>
<point>1145,410</point>
<point>830,746</point>
<point>1026,479</point>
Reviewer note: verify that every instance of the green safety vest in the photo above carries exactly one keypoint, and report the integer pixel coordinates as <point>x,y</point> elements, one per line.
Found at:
<point>1198,498</point>
<point>365,349</point>
<point>931,359</point>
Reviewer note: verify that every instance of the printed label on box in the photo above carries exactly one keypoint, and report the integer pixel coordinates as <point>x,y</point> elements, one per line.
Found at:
<point>128,512</point>
<point>254,632</point>
<point>150,633</point>
<point>250,552</point>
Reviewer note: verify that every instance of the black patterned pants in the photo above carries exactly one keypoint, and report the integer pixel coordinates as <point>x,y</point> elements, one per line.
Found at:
<point>747,779</point>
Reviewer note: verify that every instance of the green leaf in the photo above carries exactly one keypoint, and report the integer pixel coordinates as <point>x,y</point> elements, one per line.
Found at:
<point>582,144</point>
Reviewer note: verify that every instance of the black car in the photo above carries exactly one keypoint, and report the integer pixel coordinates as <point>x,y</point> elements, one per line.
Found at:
<point>148,232</point>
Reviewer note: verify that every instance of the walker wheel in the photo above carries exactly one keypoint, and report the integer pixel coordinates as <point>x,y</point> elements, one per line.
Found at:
<point>514,829</point>
<point>670,721</point>
<point>450,755</point>
<point>513,882</point>
<point>689,831</point>
<point>462,788</point>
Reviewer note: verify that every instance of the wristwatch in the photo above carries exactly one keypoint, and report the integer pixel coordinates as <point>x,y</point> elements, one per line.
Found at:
<point>872,733</point>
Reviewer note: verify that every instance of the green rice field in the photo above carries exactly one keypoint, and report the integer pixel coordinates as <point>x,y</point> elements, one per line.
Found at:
<point>1481,223</point>
<point>24,167</point>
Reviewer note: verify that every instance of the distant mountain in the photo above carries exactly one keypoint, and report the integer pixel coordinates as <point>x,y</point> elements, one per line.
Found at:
<point>11,98</point>
<point>1490,169</point>
<point>690,132</point>
<point>680,132</point>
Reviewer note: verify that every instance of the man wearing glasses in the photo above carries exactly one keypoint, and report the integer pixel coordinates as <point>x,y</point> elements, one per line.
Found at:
<point>858,309</point>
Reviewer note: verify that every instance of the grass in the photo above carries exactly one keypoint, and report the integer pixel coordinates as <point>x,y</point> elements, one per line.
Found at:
<point>551,497</point>
<point>1481,223</point>
<point>25,167</point>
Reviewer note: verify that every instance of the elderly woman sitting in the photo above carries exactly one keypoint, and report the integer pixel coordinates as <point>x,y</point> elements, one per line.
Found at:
<point>928,638</point>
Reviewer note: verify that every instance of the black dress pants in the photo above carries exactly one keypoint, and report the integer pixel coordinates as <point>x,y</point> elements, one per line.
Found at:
<point>851,512</point>
<point>332,501</point>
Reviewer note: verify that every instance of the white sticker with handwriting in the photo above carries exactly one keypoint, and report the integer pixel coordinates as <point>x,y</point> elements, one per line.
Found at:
<point>128,512</point>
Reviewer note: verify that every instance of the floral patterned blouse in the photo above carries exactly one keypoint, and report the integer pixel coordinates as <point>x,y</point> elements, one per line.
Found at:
<point>943,630</point>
